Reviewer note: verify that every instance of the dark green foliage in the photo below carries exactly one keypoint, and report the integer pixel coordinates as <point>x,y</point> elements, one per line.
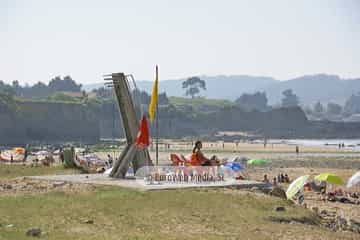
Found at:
<point>334,109</point>
<point>257,101</point>
<point>163,99</point>
<point>141,96</point>
<point>69,156</point>
<point>289,99</point>
<point>7,103</point>
<point>41,90</point>
<point>92,103</point>
<point>193,85</point>
<point>16,87</point>
<point>67,84</point>
<point>352,105</point>
<point>104,93</point>
<point>319,108</point>
<point>6,88</point>
<point>144,97</point>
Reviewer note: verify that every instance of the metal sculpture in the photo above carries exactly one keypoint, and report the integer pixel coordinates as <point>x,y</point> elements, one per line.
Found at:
<point>138,156</point>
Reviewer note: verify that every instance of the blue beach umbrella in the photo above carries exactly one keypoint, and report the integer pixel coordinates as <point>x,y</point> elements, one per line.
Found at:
<point>234,166</point>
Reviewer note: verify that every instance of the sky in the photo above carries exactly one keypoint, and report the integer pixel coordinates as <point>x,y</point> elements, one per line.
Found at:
<point>41,39</point>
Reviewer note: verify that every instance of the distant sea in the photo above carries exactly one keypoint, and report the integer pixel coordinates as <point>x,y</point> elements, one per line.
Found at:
<point>318,142</point>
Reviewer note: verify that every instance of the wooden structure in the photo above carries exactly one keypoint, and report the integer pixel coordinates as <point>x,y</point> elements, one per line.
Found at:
<point>138,157</point>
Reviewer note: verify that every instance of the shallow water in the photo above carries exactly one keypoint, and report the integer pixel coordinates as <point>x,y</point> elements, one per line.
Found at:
<point>318,142</point>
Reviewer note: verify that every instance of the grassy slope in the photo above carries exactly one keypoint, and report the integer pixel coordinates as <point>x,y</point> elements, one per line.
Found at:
<point>198,102</point>
<point>120,213</point>
<point>11,171</point>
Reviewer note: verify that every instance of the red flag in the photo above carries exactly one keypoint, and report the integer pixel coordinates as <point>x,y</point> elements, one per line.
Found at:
<point>143,137</point>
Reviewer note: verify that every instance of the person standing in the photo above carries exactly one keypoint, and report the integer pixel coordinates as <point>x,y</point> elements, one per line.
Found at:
<point>110,159</point>
<point>274,182</point>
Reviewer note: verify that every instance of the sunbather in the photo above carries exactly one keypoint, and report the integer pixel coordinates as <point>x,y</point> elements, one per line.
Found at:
<point>199,159</point>
<point>179,160</point>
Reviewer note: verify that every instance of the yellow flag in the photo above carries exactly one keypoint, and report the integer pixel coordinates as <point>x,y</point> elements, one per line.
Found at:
<point>154,96</point>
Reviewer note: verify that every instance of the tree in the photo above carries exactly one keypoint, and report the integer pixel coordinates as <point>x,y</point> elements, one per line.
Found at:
<point>334,109</point>
<point>38,90</point>
<point>17,88</point>
<point>103,92</point>
<point>6,88</point>
<point>289,99</point>
<point>144,97</point>
<point>163,99</point>
<point>67,84</point>
<point>7,102</point>
<point>193,85</point>
<point>141,96</point>
<point>319,108</point>
<point>352,104</point>
<point>257,101</point>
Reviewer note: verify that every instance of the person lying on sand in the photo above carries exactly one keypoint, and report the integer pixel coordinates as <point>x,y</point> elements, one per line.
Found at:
<point>332,197</point>
<point>198,158</point>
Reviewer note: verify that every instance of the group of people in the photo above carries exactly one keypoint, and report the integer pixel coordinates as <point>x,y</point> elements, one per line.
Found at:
<point>338,195</point>
<point>281,178</point>
<point>341,145</point>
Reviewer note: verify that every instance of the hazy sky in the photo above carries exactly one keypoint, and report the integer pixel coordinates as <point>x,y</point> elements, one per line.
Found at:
<point>85,39</point>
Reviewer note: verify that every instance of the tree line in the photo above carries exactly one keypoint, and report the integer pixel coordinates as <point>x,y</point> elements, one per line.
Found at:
<point>40,89</point>
<point>258,101</point>
<point>192,86</point>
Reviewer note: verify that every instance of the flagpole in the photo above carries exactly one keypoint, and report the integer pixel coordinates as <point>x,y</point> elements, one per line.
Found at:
<point>157,133</point>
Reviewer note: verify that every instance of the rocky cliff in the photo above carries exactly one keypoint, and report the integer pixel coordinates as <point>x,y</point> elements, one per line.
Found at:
<point>49,122</point>
<point>60,122</point>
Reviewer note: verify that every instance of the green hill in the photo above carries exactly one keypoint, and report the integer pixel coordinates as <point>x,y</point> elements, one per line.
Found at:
<point>200,103</point>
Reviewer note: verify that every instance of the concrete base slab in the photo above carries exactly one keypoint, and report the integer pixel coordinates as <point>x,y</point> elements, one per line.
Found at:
<point>101,179</point>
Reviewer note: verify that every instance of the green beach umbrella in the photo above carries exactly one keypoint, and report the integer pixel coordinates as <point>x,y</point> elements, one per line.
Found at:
<point>296,186</point>
<point>329,178</point>
<point>257,162</point>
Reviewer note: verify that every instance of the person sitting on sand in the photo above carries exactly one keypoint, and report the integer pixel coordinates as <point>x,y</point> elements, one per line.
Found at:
<point>199,159</point>
<point>239,177</point>
<point>266,180</point>
<point>286,179</point>
<point>330,196</point>
<point>354,195</point>
<point>338,192</point>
